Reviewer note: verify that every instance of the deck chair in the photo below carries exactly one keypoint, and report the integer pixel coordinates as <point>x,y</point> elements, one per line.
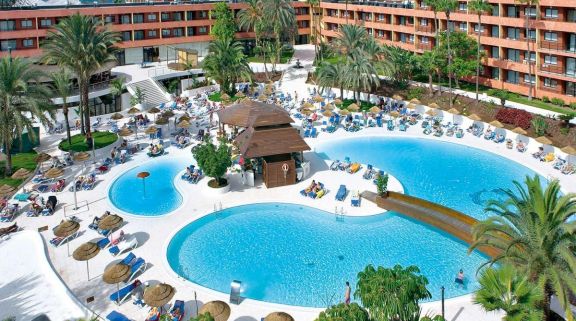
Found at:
<point>129,243</point>
<point>124,293</point>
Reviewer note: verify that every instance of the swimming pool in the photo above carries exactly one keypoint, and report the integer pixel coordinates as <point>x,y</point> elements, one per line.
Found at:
<point>156,196</point>
<point>454,175</point>
<point>297,255</point>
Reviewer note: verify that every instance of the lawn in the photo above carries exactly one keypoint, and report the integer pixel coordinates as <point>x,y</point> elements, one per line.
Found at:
<point>540,104</point>
<point>284,58</point>
<point>20,160</point>
<point>216,97</point>
<point>364,105</point>
<point>101,139</point>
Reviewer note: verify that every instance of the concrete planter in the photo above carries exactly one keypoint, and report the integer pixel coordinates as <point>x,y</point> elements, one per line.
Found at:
<point>211,191</point>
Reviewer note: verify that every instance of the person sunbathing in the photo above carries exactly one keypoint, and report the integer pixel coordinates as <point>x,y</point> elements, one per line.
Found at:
<point>520,146</point>
<point>509,144</point>
<point>311,187</point>
<point>175,314</point>
<point>539,153</point>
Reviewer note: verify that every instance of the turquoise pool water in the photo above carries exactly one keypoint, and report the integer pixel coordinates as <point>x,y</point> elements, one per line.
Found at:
<point>157,196</point>
<point>298,255</point>
<point>453,175</point>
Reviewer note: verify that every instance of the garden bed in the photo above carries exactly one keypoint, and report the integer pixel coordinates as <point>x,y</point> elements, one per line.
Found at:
<point>101,139</point>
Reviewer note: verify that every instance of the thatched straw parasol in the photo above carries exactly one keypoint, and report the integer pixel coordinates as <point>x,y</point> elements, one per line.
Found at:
<point>318,99</point>
<point>54,173</point>
<point>183,124</point>
<point>115,274</point>
<point>519,130</point>
<point>110,222</point>
<point>42,157</point>
<point>184,117</point>
<point>219,310</point>
<point>167,114</point>
<point>327,113</point>
<point>432,112</point>
<point>434,105</point>
<point>154,110</point>
<point>569,150</point>
<point>337,101</point>
<point>344,112</point>
<point>151,130</point>
<point>454,111</point>
<point>475,117</point>
<point>161,121</point>
<point>411,106</point>
<point>375,109</point>
<point>394,114</point>
<point>496,124</point>
<point>65,229</point>
<point>306,111</point>
<point>22,173</point>
<point>6,190</point>
<point>224,97</point>
<point>329,107</point>
<point>353,107</point>
<point>415,101</point>
<point>85,252</point>
<point>397,97</point>
<point>116,116</point>
<point>81,156</point>
<point>158,295</point>
<point>125,132</point>
<point>278,316</point>
<point>133,110</point>
<point>262,98</point>
<point>307,105</point>
<point>240,94</point>
<point>544,140</point>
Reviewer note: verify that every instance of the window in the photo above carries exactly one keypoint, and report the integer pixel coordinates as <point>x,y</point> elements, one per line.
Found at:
<point>513,12</point>
<point>463,26</point>
<point>27,43</point>
<point>570,88</point>
<point>202,30</point>
<point>512,76</point>
<point>126,36</point>
<point>495,32</point>
<point>550,36</point>
<point>550,60</point>
<point>152,17</point>
<point>531,34</point>
<point>495,73</point>
<point>109,19</point>
<point>411,39</point>
<point>551,83</point>
<point>571,42</point>
<point>513,33</point>
<point>165,32</point>
<point>369,31</point>
<point>26,24</point>
<point>495,10</point>
<point>152,34</point>
<point>570,66</point>
<point>178,32</point>
<point>529,79</point>
<point>478,28</point>
<point>425,40</point>
<point>177,16</point>
<point>463,6</point>
<point>190,31</point>
<point>138,18</point>
<point>532,56</point>
<point>402,21</point>
<point>551,13</point>
<point>165,16</point>
<point>495,52</point>
<point>45,23</point>
<point>424,22</point>
<point>381,33</point>
<point>6,45</point>
<point>403,37</point>
<point>203,14</point>
<point>138,35</point>
<point>189,15</point>
<point>381,17</point>
<point>125,19</point>
<point>530,12</point>
<point>514,55</point>
<point>571,17</point>
<point>7,25</point>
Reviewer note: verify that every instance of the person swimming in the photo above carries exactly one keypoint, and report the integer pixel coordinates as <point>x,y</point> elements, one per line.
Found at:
<point>460,278</point>
<point>347,293</point>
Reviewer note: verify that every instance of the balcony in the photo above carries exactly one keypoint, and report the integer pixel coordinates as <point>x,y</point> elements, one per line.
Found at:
<point>428,29</point>
<point>551,68</point>
<point>424,46</point>
<point>556,89</point>
<point>552,45</point>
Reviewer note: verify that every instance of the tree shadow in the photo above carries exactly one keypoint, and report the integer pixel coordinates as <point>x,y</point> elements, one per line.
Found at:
<point>16,298</point>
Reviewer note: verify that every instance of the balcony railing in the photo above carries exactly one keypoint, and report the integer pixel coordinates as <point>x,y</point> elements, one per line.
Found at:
<point>556,89</point>
<point>424,46</point>
<point>551,68</point>
<point>429,29</point>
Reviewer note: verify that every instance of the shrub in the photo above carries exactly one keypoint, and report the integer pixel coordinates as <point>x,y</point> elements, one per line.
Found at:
<point>382,184</point>
<point>545,99</point>
<point>342,311</point>
<point>564,130</point>
<point>513,116</point>
<point>540,126</point>
<point>557,101</point>
<point>415,92</point>
<point>502,94</point>
<point>573,105</point>
<point>214,161</point>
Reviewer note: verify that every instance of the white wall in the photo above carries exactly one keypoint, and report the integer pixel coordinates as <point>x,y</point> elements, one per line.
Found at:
<point>133,55</point>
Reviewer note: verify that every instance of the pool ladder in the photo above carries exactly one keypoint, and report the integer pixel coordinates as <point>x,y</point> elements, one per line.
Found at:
<point>339,215</point>
<point>217,206</point>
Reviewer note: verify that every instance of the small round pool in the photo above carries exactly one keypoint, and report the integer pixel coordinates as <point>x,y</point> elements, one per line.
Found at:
<point>156,196</point>
<point>297,255</point>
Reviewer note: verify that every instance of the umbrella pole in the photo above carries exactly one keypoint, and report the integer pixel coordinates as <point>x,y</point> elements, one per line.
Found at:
<point>87,270</point>
<point>68,246</point>
<point>75,197</point>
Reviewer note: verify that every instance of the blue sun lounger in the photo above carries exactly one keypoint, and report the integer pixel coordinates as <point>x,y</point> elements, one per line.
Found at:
<point>116,316</point>
<point>128,259</point>
<point>139,265</point>
<point>124,293</point>
<point>341,194</point>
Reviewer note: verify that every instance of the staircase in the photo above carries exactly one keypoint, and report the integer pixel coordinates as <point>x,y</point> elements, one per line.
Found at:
<point>154,93</point>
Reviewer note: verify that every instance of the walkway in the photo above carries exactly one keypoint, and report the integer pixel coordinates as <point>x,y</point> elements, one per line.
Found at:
<point>293,79</point>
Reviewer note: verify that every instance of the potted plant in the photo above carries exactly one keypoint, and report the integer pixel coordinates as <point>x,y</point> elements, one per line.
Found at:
<point>214,162</point>
<point>382,185</point>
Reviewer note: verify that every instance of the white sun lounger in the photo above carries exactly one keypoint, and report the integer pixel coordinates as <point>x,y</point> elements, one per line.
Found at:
<point>129,243</point>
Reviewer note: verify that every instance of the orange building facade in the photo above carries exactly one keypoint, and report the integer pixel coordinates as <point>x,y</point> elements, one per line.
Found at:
<point>552,38</point>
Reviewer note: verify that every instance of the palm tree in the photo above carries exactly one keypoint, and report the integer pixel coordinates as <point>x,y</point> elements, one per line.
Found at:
<point>529,4</point>
<point>282,18</point>
<point>361,75</point>
<point>505,289</point>
<point>80,44</point>
<point>250,18</point>
<point>227,64</point>
<point>350,39</point>
<point>447,6</point>
<point>332,75</point>
<point>20,98</point>
<point>479,7</point>
<point>62,87</point>
<point>313,5</point>
<point>429,64</point>
<point>433,4</point>
<point>531,231</point>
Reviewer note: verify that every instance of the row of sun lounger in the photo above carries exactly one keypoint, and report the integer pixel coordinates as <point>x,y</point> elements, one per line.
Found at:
<point>346,165</point>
